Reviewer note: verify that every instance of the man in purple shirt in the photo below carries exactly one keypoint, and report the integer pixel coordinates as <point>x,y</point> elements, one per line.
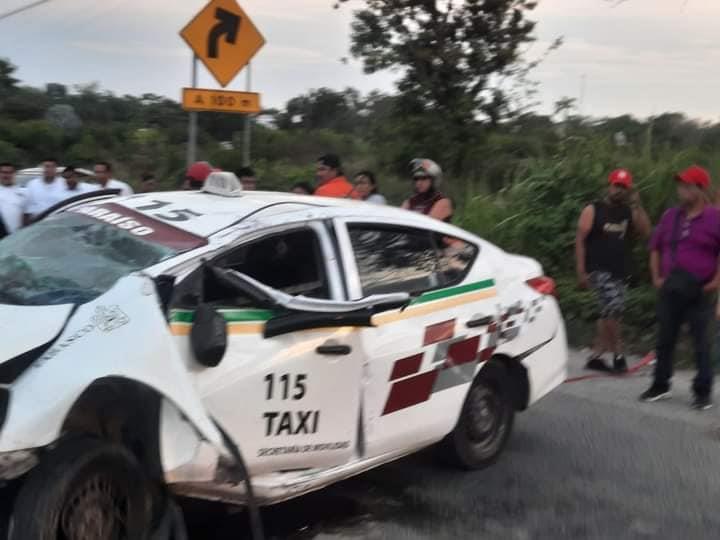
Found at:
<point>684,266</point>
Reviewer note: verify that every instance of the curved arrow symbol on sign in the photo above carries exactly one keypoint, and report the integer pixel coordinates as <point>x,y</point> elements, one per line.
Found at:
<point>228,25</point>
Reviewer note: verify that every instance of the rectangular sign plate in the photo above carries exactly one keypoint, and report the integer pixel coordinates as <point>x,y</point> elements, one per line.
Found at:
<point>199,99</point>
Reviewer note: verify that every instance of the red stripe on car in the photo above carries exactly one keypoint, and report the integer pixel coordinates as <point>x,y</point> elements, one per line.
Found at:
<point>406,366</point>
<point>463,352</point>
<point>439,332</point>
<point>486,354</point>
<point>409,392</point>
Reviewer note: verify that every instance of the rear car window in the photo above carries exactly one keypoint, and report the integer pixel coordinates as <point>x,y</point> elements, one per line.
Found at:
<point>398,259</point>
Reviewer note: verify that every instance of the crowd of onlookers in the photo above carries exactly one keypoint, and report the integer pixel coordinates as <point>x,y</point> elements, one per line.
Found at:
<point>21,205</point>
<point>684,265</point>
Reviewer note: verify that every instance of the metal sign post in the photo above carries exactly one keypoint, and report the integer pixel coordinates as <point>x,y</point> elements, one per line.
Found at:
<point>248,121</point>
<point>192,127</point>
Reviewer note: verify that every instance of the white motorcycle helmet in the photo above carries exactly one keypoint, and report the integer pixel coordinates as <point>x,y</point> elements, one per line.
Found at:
<point>426,167</point>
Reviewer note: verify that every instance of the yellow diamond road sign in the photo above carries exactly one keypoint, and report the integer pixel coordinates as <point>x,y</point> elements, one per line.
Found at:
<point>224,38</point>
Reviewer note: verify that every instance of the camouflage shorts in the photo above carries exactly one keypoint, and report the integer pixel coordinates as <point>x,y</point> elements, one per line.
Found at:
<point>610,293</point>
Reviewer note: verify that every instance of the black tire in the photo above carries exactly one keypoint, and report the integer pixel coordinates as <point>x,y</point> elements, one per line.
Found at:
<point>84,489</point>
<point>485,422</point>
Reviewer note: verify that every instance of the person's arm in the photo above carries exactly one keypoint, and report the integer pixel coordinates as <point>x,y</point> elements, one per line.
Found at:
<point>641,221</point>
<point>405,205</point>
<point>714,284</point>
<point>585,223</point>
<point>442,209</point>
<point>655,269</point>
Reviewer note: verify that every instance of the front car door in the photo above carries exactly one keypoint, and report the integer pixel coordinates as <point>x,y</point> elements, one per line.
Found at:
<point>419,361</point>
<point>290,401</point>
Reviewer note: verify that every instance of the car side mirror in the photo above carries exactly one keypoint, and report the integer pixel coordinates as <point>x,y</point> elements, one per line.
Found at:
<point>208,336</point>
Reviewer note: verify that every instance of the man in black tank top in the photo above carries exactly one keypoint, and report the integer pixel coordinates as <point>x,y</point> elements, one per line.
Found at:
<point>601,258</point>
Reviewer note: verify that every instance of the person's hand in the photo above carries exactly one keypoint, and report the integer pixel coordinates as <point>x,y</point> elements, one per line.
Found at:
<point>711,287</point>
<point>583,280</point>
<point>658,282</point>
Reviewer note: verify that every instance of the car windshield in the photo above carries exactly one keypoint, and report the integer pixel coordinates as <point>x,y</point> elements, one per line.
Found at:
<point>71,259</point>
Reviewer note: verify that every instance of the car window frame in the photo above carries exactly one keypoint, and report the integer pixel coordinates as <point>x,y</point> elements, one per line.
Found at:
<point>349,262</point>
<point>328,253</point>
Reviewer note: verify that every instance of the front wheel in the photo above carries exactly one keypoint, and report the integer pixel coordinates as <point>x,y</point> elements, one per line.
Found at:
<point>84,489</point>
<point>485,422</point>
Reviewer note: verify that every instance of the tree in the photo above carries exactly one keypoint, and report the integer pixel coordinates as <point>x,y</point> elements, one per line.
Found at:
<point>7,81</point>
<point>450,55</point>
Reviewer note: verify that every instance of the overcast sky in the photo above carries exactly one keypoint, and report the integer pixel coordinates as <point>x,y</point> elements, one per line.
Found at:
<point>642,57</point>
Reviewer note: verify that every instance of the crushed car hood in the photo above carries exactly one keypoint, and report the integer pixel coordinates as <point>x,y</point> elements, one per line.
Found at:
<point>25,327</point>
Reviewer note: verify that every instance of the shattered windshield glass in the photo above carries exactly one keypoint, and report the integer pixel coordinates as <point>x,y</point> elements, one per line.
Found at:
<point>71,259</point>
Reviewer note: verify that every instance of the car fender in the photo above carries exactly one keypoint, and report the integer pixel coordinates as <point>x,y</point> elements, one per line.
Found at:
<point>122,334</point>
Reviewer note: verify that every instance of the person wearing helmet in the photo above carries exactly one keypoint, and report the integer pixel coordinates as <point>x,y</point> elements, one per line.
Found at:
<point>196,175</point>
<point>426,177</point>
<point>601,249</point>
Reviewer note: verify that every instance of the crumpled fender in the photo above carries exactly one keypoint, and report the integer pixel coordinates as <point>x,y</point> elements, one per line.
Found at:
<point>123,333</point>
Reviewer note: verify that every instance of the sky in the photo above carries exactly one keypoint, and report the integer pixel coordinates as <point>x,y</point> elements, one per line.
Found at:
<point>641,57</point>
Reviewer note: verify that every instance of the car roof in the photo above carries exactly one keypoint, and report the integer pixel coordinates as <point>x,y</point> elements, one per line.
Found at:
<point>217,213</point>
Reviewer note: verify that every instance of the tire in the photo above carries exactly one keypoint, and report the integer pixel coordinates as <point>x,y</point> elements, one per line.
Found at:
<point>485,422</point>
<point>84,489</point>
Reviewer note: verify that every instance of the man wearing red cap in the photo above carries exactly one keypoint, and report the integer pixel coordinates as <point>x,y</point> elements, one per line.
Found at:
<point>196,175</point>
<point>601,260</point>
<point>684,266</point>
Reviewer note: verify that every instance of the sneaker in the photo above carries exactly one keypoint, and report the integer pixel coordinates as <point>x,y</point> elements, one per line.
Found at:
<point>655,393</point>
<point>597,364</point>
<point>620,364</point>
<point>702,403</point>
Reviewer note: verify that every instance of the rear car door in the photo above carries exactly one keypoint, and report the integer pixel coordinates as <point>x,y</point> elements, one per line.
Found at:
<point>290,401</point>
<point>418,361</point>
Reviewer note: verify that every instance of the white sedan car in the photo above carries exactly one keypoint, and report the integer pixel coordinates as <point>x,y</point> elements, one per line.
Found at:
<point>249,348</point>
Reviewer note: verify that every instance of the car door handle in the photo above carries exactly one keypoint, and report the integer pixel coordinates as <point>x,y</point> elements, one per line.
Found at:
<point>334,349</point>
<point>480,321</point>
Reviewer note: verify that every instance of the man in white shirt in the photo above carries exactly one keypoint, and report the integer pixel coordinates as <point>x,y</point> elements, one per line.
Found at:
<point>103,174</point>
<point>73,186</point>
<point>12,200</point>
<point>44,191</point>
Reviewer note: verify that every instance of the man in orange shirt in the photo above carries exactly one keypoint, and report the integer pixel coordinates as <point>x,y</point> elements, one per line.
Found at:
<point>330,179</point>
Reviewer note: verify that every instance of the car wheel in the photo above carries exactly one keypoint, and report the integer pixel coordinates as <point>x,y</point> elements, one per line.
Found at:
<point>84,488</point>
<point>485,422</point>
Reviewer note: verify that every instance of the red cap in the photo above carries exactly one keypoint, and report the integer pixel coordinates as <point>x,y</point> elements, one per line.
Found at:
<point>621,177</point>
<point>696,176</point>
<point>199,171</point>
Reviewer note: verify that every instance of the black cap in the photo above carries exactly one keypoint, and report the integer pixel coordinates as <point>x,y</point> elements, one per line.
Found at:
<point>330,160</point>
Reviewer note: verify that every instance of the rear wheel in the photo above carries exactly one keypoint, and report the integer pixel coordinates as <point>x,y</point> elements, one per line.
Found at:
<point>84,489</point>
<point>485,422</point>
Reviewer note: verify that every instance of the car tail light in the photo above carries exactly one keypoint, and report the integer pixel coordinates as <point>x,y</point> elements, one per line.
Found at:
<point>544,285</point>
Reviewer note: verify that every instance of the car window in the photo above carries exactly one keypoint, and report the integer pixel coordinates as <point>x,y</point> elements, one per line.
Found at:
<point>398,259</point>
<point>394,259</point>
<point>291,262</point>
<point>455,258</point>
<point>72,258</point>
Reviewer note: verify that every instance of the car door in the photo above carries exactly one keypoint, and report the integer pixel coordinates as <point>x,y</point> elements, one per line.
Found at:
<point>289,401</point>
<point>418,361</point>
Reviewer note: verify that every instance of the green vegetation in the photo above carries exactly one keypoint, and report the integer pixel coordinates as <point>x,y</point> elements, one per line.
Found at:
<point>522,184</point>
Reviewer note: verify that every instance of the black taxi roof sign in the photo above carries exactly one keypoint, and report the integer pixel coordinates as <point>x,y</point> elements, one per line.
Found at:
<point>224,38</point>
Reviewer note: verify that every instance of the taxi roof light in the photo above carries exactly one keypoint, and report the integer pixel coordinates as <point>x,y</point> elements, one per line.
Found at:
<point>225,184</point>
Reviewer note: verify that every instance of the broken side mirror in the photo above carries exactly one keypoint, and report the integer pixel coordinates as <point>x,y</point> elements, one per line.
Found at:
<point>208,336</point>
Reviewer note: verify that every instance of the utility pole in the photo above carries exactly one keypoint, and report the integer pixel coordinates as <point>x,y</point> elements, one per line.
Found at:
<point>21,9</point>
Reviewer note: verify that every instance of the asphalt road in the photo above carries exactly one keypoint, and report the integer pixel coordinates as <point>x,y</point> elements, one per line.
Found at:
<point>587,462</point>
